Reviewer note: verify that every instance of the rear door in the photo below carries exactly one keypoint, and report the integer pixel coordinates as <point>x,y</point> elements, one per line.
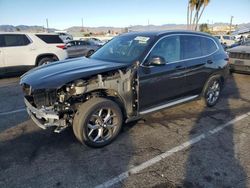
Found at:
<point>16,52</point>
<point>84,47</point>
<point>197,52</point>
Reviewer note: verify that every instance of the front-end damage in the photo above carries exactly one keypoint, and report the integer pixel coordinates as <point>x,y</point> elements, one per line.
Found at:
<point>56,107</point>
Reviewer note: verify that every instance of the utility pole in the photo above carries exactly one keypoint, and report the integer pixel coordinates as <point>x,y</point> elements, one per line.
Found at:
<point>47,22</point>
<point>148,24</point>
<point>82,24</point>
<point>230,27</point>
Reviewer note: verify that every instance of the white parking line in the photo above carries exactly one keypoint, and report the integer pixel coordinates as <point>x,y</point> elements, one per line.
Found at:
<point>12,112</point>
<point>168,153</point>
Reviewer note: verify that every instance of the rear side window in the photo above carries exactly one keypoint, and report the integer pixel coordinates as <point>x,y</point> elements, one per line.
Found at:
<point>191,47</point>
<point>226,37</point>
<point>8,40</point>
<point>50,39</point>
<point>2,43</point>
<point>208,46</point>
<point>84,43</point>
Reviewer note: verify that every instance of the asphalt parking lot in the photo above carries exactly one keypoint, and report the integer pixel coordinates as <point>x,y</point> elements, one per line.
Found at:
<point>184,146</point>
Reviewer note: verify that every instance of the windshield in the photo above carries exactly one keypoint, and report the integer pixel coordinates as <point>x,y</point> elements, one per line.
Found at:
<point>123,49</point>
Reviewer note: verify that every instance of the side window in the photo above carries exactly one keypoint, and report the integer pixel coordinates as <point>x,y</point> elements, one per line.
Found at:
<point>50,39</point>
<point>226,37</point>
<point>191,46</point>
<point>208,46</point>
<point>168,48</point>
<point>2,43</point>
<point>82,43</point>
<point>15,40</point>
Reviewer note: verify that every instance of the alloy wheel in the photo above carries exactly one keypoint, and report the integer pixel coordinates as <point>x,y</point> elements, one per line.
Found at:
<point>102,125</point>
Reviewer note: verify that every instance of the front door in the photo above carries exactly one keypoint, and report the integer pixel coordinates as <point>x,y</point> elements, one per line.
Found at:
<point>162,83</point>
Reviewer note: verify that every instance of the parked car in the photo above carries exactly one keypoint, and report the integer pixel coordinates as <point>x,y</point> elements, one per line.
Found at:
<point>22,51</point>
<point>240,58</point>
<point>77,48</point>
<point>226,39</point>
<point>64,36</point>
<point>132,75</point>
<point>98,41</point>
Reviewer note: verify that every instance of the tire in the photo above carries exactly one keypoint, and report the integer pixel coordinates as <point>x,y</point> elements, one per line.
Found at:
<point>90,120</point>
<point>90,53</point>
<point>45,60</point>
<point>212,91</point>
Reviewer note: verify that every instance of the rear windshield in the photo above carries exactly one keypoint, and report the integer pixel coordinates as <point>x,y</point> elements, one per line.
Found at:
<point>50,39</point>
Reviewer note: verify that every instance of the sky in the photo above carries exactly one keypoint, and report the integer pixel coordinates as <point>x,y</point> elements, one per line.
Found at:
<point>118,13</point>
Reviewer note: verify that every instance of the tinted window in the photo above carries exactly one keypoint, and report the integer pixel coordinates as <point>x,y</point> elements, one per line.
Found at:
<point>191,46</point>
<point>14,40</point>
<point>2,43</point>
<point>50,39</point>
<point>208,46</point>
<point>226,37</point>
<point>168,48</point>
<point>83,43</point>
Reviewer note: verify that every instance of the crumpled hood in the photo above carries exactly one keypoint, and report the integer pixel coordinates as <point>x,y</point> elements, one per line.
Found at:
<point>240,49</point>
<point>55,75</point>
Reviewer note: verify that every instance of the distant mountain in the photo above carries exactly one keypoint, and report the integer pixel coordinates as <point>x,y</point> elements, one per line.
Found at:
<point>24,28</point>
<point>76,30</point>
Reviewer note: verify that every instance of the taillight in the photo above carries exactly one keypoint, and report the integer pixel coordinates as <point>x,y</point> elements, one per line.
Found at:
<point>62,46</point>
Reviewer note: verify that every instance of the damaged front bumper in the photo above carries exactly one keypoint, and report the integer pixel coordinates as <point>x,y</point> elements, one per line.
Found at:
<point>45,117</point>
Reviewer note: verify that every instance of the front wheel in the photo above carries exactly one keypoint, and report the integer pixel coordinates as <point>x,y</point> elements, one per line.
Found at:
<point>90,53</point>
<point>97,122</point>
<point>212,91</point>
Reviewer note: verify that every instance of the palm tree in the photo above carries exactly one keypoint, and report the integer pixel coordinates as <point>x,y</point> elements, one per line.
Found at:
<point>191,7</point>
<point>188,16</point>
<point>205,3</point>
<point>198,5</point>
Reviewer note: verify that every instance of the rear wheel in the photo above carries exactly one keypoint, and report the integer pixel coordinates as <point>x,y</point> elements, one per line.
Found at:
<point>97,122</point>
<point>212,91</point>
<point>45,60</point>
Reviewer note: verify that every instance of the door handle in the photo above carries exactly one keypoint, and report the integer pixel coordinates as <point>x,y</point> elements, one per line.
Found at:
<point>209,61</point>
<point>179,67</point>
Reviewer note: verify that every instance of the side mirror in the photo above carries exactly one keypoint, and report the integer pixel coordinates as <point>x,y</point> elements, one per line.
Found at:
<point>157,61</point>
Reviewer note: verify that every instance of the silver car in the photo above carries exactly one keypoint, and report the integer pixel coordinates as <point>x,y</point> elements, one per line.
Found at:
<point>239,58</point>
<point>78,48</point>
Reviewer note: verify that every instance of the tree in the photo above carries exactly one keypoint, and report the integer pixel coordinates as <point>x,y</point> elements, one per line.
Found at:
<point>195,5</point>
<point>204,5</point>
<point>204,28</point>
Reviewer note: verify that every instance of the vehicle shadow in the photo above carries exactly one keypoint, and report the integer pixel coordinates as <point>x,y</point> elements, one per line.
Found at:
<point>30,156</point>
<point>213,161</point>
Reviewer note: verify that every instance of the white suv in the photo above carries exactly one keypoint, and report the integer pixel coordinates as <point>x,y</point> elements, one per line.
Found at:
<point>226,39</point>
<point>22,51</point>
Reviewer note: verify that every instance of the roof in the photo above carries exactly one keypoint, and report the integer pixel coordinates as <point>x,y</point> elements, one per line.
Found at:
<point>166,32</point>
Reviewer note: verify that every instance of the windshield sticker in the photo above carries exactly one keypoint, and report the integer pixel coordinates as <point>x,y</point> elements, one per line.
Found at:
<point>141,39</point>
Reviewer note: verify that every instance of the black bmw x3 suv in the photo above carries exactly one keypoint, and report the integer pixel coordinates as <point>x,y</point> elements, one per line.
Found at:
<point>132,75</point>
